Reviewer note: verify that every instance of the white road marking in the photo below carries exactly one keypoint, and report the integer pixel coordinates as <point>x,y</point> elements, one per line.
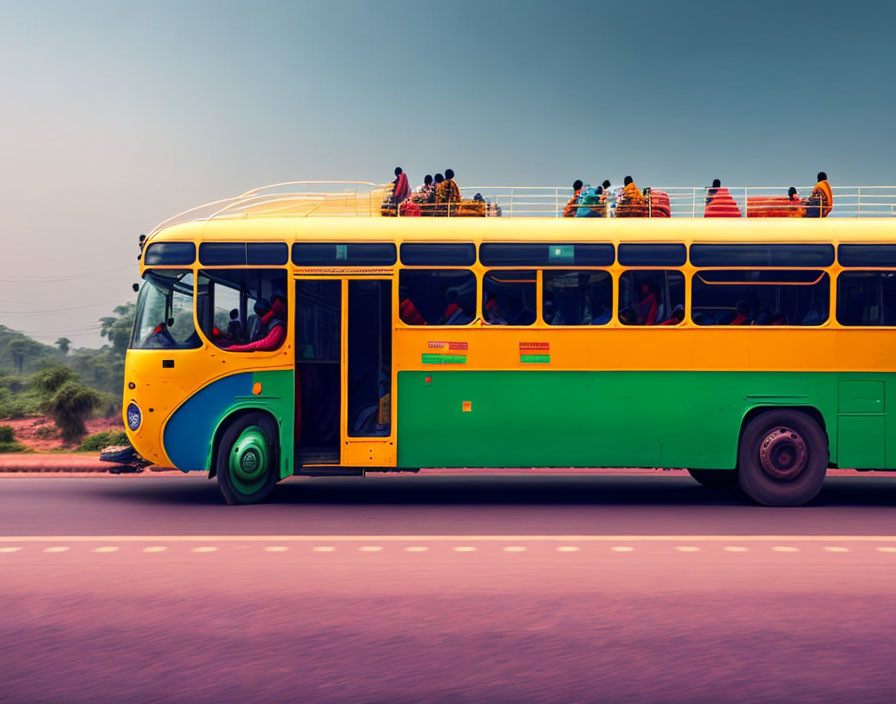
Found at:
<point>464,548</point>
<point>323,548</point>
<point>106,548</point>
<point>371,548</point>
<point>785,548</point>
<point>276,548</point>
<point>568,548</point>
<point>887,548</point>
<point>12,548</point>
<point>835,548</point>
<point>622,548</point>
<point>736,548</point>
<point>155,548</point>
<point>205,548</point>
<point>687,548</point>
<point>509,539</point>
<point>416,548</point>
<point>514,548</point>
<point>57,548</point>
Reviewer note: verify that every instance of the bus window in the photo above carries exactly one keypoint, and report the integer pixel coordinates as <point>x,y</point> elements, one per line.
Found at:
<point>436,296</point>
<point>760,297</point>
<point>164,318</point>
<point>509,297</point>
<point>239,309</point>
<point>651,297</point>
<point>866,298</point>
<point>577,297</point>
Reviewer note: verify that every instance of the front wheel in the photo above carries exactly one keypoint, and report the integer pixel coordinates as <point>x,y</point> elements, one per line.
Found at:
<point>783,458</point>
<point>715,478</point>
<point>247,464</point>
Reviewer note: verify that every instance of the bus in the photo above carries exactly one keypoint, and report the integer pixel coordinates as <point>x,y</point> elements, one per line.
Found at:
<point>753,352</point>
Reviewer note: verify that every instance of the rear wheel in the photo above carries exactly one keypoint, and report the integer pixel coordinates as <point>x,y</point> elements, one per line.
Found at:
<point>783,458</point>
<point>247,464</point>
<point>715,478</point>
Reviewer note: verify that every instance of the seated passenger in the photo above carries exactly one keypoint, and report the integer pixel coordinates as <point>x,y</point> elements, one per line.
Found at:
<point>454,314</point>
<point>569,211</point>
<point>711,192</point>
<point>742,314</point>
<point>632,203</point>
<point>763,317</point>
<point>234,329</point>
<point>596,200</point>
<point>407,311</point>
<point>255,324</point>
<point>492,313</point>
<point>274,330</point>
<point>821,201</point>
<point>447,191</point>
<point>628,316</point>
<point>677,316</point>
<point>648,307</point>
<point>779,318</point>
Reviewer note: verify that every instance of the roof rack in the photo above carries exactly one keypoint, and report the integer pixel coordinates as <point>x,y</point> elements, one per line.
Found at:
<point>365,199</point>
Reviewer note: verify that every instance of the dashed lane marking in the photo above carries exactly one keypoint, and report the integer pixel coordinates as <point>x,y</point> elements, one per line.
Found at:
<point>785,548</point>
<point>568,548</point>
<point>887,549</point>
<point>736,548</point>
<point>416,548</point>
<point>464,548</point>
<point>276,548</point>
<point>834,548</point>
<point>371,548</point>
<point>107,548</point>
<point>509,539</point>
<point>687,548</point>
<point>11,548</point>
<point>622,548</point>
<point>155,548</point>
<point>56,548</point>
<point>514,548</point>
<point>205,548</point>
<point>323,548</point>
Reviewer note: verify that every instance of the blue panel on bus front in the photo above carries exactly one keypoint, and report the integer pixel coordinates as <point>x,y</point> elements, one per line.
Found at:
<point>189,432</point>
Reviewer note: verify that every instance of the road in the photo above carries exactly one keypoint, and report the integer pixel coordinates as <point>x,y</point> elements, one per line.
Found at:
<point>445,589</point>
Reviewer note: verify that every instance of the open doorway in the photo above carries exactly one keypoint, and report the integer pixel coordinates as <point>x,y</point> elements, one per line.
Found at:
<point>318,374</point>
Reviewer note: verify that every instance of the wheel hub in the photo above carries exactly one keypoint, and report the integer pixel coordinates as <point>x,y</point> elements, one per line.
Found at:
<point>783,454</point>
<point>249,460</point>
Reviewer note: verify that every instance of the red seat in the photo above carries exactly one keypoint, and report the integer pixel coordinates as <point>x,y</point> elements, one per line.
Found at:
<point>722,205</point>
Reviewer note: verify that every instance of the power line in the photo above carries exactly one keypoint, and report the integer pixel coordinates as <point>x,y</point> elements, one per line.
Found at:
<point>60,310</point>
<point>50,280</point>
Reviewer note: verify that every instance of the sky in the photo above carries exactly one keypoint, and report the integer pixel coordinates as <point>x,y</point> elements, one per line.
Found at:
<point>116,115</point>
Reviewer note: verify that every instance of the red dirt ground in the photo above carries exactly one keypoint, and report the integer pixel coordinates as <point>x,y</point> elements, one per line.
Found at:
<point>39,434</point>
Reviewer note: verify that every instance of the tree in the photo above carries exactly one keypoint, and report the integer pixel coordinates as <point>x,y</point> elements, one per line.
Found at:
<point>117,328</point>
<point>18,348</point>
<point>64,344</point>
<point>66,400</point>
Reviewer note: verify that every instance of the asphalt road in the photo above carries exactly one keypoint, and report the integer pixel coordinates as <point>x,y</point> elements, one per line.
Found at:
<point>445,589</point>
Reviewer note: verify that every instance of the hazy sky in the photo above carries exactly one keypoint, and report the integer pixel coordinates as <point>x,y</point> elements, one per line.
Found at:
<point>115,115</point>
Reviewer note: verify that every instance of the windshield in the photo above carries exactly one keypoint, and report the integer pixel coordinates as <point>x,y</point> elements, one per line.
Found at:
<point>165,312</point>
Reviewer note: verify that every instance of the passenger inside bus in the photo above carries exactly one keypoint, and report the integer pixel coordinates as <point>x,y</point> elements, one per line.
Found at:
<point>492,312</point>
<point>274,330</point>
<point>454,314</point>
<point>407,311</point>
<point>648,306</point>
<point>677,316</point>
<point>741,314</point>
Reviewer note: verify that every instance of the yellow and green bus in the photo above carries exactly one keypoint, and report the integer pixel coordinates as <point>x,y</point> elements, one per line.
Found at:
<point>753,352</point>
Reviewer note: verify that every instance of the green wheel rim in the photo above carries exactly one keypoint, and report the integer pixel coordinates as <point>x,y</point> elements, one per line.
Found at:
<point>249,461</point>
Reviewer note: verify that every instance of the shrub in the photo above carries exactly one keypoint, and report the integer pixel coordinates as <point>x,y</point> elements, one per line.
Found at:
<point>69,405</point>
<point>8,442</point>
<point>98,441</point>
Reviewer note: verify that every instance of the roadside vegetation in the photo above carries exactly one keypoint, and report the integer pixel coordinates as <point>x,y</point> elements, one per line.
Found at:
<point>8,442</point>
<point>65,384</point>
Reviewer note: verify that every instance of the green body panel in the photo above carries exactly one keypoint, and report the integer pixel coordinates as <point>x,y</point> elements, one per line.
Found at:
<point>627,419</point>
<point>278,398</point>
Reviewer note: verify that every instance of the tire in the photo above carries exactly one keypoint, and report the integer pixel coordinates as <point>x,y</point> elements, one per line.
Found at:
<point>715,478</point>
<point>247,461</point>
<point>783,458</point>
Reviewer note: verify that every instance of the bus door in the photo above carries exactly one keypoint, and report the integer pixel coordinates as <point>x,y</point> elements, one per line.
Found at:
<point>318,375</point>
<point>369,430</point>
<point>344,372</point>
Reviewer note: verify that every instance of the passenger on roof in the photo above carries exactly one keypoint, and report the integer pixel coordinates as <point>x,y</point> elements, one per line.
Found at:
<point>427,192</point>
<point>609,196</point>
<point>454,314</point>
<point>648,307</point>
<point>401,189</point>
<point>821,201</point>
<point>570,211</point>
<point>596,200</point>
<point>447,191</point>
<point>711,191</point>
<point>274,329</point>
<point>632,203</point>
<point>407,311</point>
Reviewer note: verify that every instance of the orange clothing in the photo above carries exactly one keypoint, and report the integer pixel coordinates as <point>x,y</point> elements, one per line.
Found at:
<point>633,194</point>
<point>409,314</point>
<point>447,192</point>
<point>570,210</point>
<point>825,196</point>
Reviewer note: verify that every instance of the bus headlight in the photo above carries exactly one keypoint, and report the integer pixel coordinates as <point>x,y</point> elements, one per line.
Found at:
<point>134,416</point>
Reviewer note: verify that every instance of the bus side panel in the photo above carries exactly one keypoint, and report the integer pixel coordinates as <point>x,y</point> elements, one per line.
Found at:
<point>590,419</point>
<point>190,432</point>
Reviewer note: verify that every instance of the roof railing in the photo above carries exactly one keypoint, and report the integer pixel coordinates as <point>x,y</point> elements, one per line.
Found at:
<point>366,199</point>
